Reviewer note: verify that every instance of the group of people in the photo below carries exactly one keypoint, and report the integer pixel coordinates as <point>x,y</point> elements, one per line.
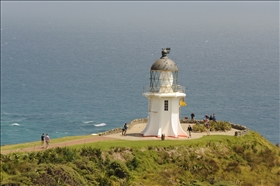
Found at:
<point>46,139</point>
<point>211,117</point>
<point>206,120</point>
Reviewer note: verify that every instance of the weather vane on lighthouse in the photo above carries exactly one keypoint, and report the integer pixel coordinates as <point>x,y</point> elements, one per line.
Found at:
<point>164,97</point>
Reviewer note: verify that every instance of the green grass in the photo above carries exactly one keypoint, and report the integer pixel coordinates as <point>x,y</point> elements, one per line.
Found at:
<point>38,143</point>
<point>159,143</point>
<point>221,125</point>
<point>210,160</point>
<point>118,143</point>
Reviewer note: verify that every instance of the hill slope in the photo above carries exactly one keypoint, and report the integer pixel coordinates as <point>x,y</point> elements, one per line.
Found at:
<point>211,160</point>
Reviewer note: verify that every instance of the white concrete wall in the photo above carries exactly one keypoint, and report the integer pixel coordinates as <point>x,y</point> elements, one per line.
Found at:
<point>164,122</point>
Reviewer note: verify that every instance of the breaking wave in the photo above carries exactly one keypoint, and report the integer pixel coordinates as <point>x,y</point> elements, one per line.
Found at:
<point>100,125</point>
<point>87,122</point>
<point>15,124</point>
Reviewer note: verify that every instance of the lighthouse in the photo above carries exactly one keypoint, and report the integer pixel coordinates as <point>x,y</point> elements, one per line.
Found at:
<point>164,97</point>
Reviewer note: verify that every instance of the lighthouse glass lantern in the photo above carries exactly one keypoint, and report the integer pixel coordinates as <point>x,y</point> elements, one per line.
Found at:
<point>164,95</point>
<point>164,74</point>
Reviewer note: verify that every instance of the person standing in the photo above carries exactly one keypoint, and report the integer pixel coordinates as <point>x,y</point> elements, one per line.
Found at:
<point>192,116</point>
<point>190,130</point>
<point>124,129</point>
<point>47,139</point>
<point>42,140</point>
<point>206,118</point>
<point>207,125</point>
<point>214,117</point>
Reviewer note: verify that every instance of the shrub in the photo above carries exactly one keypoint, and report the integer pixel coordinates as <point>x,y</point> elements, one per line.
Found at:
<point>104,181</point>
<point>91,152</point>
<point>220,126</point>
<point>198,128</point>
<point>214,126</point>
<point>133,164</point>
<point>119,169</point>
<point>238,149</point>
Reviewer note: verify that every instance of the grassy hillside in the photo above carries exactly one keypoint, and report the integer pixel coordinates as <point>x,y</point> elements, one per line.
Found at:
<point>211,160</point>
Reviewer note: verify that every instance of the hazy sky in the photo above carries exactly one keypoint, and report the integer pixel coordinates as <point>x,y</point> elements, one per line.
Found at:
<point>139,15</point>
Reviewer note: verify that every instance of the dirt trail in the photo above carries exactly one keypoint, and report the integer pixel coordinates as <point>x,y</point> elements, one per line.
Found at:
<point>62,144</point>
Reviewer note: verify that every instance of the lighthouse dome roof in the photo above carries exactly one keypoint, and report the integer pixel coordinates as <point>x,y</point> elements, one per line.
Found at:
<point>164,63</point>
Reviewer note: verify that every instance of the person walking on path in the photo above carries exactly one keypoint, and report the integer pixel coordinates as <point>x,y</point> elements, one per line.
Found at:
<point>42,140</point>
<point>124,129</point>
<point>190,130</point>
<point>192,116</point>
<point>207,125</point>
<point>47,139</point>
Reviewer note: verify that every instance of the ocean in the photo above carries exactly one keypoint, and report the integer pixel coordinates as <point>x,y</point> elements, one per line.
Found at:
<point>72,75</point>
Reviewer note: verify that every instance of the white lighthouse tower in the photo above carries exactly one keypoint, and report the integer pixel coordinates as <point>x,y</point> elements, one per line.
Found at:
<point>164,95</point>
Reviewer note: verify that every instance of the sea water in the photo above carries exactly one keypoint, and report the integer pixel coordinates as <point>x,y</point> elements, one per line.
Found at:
<point>68,80</point>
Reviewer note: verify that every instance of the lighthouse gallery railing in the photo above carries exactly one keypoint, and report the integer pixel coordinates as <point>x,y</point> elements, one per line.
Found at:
<point>148,89</point>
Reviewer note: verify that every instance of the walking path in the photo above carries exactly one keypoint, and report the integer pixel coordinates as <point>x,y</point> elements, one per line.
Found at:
<point>133,133</point>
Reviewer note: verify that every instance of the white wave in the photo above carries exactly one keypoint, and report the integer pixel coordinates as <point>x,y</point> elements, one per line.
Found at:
<point>100,125</point>
<point>15,124</point>
<point>87,122</point>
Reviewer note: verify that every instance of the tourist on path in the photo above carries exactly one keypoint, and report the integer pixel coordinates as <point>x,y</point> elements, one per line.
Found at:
<point>42,140</point>
<point>207,125</point>
<point>124,129</point>
<point>192,116</point>
<point>47,139</point>
<point>190,130</point>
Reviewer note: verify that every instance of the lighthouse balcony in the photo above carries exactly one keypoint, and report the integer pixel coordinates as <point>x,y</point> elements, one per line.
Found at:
<point>164,89</point>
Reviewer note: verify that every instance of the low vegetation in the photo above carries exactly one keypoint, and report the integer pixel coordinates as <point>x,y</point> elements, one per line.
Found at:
<point>214,126</point>
<point>211,160</point>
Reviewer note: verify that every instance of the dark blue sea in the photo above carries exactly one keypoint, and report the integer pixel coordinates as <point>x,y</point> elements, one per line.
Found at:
<point>82,71</point>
